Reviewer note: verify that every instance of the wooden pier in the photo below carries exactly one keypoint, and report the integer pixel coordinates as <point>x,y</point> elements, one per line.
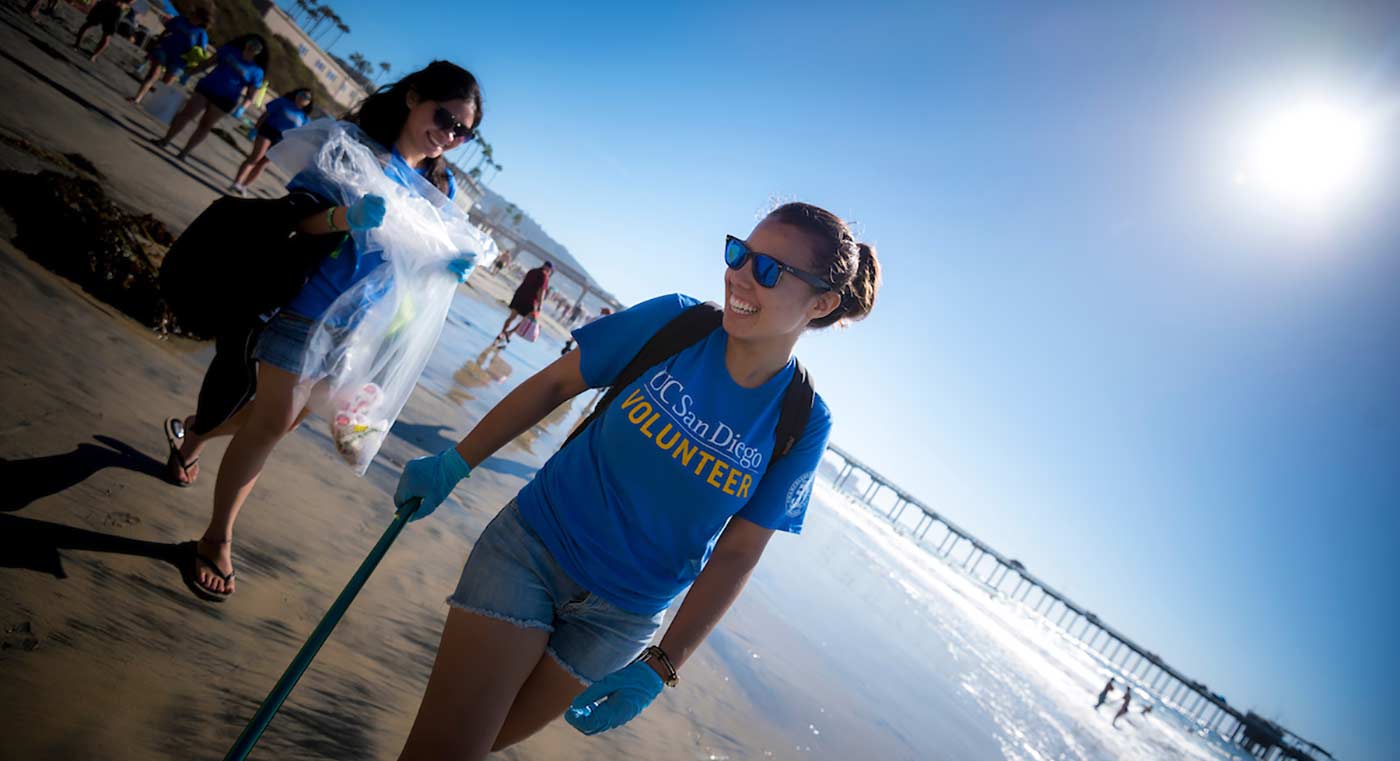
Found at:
<point>1146,670</point>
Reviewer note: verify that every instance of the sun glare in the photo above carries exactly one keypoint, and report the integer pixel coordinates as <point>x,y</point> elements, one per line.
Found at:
<point>1307,157</point>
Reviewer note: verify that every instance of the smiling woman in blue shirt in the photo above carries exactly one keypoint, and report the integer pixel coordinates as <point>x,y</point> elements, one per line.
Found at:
<point>238,69</point>
<point>411,123</point>
<point>677,483</point>
<point>279,115</point>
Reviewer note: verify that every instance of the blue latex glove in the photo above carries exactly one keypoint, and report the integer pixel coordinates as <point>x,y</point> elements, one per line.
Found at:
<point>430,479</point>
<point>462,266</point>
<point>624,694</point>
<point>366,213</point>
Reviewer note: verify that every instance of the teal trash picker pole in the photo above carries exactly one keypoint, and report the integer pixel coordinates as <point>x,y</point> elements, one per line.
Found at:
<point>299,664</point>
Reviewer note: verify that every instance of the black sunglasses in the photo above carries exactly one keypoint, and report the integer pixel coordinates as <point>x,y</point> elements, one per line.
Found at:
<point>766,269</point>
<point>448,123</point>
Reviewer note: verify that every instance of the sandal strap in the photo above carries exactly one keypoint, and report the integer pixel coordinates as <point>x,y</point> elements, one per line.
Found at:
<point>227,577</point>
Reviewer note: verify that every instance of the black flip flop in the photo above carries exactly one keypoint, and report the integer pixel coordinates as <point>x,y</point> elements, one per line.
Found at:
<point>174,435</point>
<point>190,560</point>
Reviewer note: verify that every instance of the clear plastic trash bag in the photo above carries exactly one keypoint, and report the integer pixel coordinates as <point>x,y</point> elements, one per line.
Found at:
<point>164,102</point>
<point>367,351</point>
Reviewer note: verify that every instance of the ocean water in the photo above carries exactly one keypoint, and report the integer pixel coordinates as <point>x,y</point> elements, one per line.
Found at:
<point>851,641</point>
<point>970,658</point>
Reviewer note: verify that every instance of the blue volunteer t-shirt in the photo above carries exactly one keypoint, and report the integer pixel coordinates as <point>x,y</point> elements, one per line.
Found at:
<point>181,35</point>
<point>230,75</point>
<point>346,265</point>
<point>632,507</point>
<point>283,114</point>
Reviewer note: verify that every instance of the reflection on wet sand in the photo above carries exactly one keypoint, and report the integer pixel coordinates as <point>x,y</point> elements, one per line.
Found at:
<point>490,368</point>
<point>550,431</point>
<point>487,368</point>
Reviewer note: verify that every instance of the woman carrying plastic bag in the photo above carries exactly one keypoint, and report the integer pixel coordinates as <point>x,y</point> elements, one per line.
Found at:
<point>363,325</point>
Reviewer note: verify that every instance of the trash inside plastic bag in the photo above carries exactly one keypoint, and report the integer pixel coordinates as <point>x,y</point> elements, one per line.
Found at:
<point>367,351</point>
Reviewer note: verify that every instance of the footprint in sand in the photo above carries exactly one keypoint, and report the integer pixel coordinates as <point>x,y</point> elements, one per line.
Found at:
<point>121,520</point>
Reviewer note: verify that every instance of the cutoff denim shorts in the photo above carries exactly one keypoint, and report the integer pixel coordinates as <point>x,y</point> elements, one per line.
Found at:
<point>511,576</point>
<point>283,343</point>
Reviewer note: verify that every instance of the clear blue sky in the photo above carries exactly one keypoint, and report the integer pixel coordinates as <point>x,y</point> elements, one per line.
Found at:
<point>1179,404</point>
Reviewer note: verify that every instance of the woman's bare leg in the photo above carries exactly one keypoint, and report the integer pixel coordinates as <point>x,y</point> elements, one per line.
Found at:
<point>272,414</point>
<point>482,664</point>
<point>153,73</point>
<point>212,115</point>
<point>252,166</point>
<point>543,698</point>
<point>256,172</point>
<point>193,106</point>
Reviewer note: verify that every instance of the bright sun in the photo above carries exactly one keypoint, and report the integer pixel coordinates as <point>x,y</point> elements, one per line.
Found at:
<point>1307,157</point>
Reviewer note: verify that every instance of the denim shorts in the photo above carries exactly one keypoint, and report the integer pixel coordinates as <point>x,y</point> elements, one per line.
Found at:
<point>174,65</point>
<point>510,576</point>
<point>284,341</point>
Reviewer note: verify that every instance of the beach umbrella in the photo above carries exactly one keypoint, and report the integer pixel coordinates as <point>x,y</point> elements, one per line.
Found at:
<point>299,664</point>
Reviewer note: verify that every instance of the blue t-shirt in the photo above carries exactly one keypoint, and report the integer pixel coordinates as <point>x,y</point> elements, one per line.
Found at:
<point>346,265</point>
<point>181,35</point>
<point>632,507</point>
<point>230,75</point>
<point>283,114</point>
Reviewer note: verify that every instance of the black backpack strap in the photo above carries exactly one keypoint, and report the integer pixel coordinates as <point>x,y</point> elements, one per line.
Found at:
<point>683,331</point>
<point>795,412</point>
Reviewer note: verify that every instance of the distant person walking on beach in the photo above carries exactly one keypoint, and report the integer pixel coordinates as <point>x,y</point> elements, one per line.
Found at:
<point>166,56</point>
<point>501,262</point>
<point>238,69</point>
<point>105,14</point>
<point>281,114</point>
<point>36,7</point>
<point>1103,694</point>
<point>1123,709</point>
<point>413,122</point>
<point>679,481</point>
<point>527,299</point>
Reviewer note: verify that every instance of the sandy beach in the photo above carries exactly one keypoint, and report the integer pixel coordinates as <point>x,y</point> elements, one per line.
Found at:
<point>105,653</point>
<point>850,641</point>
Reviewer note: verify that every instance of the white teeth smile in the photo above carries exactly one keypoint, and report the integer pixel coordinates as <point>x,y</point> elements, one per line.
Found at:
<point>742,307</point>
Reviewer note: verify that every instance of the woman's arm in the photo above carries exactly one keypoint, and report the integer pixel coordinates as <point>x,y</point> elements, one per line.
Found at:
<point>427,481</point>
<point>715,589</point>
<point>318,224</point>
<point>523,407</point>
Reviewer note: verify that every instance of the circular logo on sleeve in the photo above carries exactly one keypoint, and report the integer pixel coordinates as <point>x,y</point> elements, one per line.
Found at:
<point>798,494</point>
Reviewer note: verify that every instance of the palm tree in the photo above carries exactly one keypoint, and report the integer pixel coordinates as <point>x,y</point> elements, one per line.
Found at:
<point>343,30</point>
<point>470,148</point>
<point>322,14</point>
<point>335,23</point>
<point>302,7</point>
<point>384,68</point>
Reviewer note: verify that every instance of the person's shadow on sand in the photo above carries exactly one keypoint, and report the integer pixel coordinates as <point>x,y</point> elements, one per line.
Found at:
<point>38,477</point>
<point>34,545</point>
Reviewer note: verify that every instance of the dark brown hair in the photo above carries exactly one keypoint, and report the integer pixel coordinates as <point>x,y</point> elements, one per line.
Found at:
<point>383,113</point>
<point>850,266</point>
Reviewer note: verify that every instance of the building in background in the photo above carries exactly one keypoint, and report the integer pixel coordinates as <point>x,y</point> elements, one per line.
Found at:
<point>338,82</point>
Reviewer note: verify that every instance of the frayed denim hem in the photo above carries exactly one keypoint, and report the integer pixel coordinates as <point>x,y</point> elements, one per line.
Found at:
<point>518,622</point>
<point>567,667</point>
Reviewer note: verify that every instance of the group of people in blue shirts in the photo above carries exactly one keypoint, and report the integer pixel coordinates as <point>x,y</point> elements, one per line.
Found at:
<point>674,486</point>
<point>231,76</point>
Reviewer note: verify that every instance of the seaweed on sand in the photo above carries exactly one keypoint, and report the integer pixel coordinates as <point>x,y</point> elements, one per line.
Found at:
<point>69,225</point>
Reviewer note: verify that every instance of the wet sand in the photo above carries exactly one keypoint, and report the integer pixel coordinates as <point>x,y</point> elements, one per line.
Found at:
<point>104,652</point>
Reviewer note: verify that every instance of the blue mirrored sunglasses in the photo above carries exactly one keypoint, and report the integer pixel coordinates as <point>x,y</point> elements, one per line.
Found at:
<point>766,269</point>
